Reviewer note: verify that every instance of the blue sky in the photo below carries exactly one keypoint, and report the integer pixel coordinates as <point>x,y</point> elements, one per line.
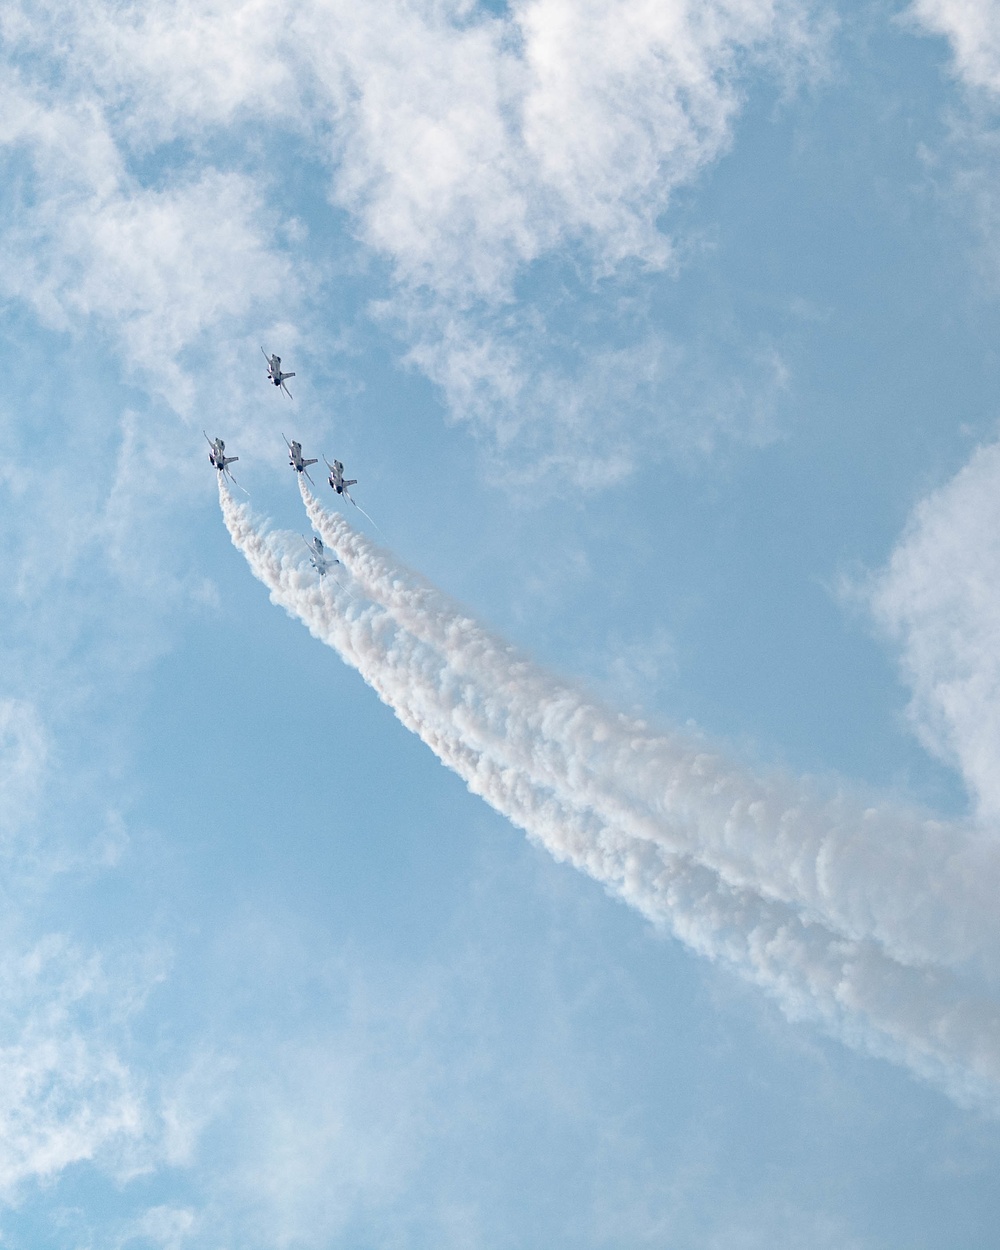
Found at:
<point>661,337</point>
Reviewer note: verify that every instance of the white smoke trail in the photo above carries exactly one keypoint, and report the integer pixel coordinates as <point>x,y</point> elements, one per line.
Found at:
<point>871,870</point>
<point>922,1016</point>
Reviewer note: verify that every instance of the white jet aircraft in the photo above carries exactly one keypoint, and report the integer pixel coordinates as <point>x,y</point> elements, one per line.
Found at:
<point>337,478</point>
<point>274,374</point>
<point>295,458</point>
<point>218,458</point>
<point>318,557</point>
<point>340,485</point>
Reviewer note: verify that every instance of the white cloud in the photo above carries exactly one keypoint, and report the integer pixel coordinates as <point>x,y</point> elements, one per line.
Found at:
<point>464,146</point>
<point>159,268</point>
<point>627,101</point>
<point>466,143</point>
<point>588,412</point>
<point>166,273</point>
<point>474,144</point>
<point>939,597</point>
<point>565,130</point>
<point>65,1094</point>
<point>973,29</point>
<point>473,151</point>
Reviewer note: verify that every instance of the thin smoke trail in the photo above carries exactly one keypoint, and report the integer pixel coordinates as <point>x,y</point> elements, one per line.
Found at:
<point>871,870</point>
<point>917,1015</point>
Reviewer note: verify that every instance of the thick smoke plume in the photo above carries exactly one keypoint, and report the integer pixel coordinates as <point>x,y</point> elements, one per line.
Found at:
<point>869,918</point>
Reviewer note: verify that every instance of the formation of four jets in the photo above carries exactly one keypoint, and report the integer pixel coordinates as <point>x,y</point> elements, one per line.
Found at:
<point>319,557</point>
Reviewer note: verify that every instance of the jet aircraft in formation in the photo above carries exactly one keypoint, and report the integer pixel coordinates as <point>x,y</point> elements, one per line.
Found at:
<point>319,558</point>
<point>340,485</point>
<point>295,458</point>
<point>274,374</point>
<point>218,458</point>
<point>336,478</point>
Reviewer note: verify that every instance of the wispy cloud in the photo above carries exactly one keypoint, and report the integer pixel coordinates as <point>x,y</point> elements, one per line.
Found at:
<point>586,412</point>
<point>67,1095</point>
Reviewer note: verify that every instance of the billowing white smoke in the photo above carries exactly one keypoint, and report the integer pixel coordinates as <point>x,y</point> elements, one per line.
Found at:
<point>872,920</point>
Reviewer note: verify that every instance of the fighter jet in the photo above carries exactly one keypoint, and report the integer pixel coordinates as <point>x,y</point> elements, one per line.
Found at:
<point>337,478</point>
<point>218,458</point>
<point>318,557</point>
<point>340,485</point>
<point>295,458</point>
<point>274,374</point>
